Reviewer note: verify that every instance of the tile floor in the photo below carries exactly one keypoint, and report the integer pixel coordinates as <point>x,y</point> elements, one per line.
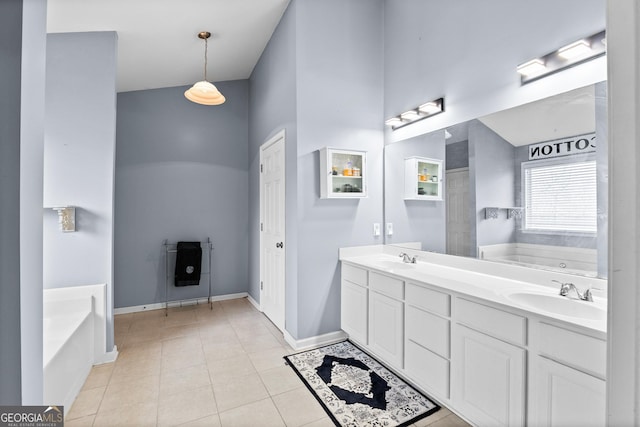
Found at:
<point>202,367</point>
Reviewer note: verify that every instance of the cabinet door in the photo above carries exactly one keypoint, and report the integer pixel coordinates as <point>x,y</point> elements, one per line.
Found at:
<point>353,310</point>
<point>386,328</point>
<point>567,397</point>
<point>487,378</point>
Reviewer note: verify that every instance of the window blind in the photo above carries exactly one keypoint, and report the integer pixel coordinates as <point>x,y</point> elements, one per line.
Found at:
<point>561,197</point>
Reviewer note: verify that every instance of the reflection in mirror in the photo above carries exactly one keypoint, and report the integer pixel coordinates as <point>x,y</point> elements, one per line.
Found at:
<point>526,186</point>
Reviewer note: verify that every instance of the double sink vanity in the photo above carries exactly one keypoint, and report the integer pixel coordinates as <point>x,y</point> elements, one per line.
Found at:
<point>495,343</point>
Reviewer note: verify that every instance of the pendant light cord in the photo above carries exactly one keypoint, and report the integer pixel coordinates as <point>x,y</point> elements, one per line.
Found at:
<point>205,59</point>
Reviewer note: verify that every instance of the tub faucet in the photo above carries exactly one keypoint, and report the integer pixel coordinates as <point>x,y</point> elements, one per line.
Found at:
<point>406,258</point>
<point>565,288</point>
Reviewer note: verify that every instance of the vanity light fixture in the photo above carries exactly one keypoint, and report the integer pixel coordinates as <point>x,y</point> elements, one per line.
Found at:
<point>411,115</point>
<point>432,107</point>
<point>204,92</point>
<point>575,53</point>
<point>421,112</point>
<point>394,122</point>
<point>575,50</point>
<point>532,68</point>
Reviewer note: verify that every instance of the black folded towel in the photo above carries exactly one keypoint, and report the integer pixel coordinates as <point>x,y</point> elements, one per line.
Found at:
<point>188,264</point>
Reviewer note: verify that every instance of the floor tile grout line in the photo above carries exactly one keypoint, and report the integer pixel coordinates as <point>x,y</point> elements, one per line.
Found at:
<point>213,389</point>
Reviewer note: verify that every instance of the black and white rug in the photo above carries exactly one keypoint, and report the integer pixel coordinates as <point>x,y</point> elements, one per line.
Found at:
<point>356,390</point>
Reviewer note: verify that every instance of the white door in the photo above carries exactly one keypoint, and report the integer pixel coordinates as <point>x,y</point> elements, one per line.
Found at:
<point>272,241</point>
<point>458,221</point>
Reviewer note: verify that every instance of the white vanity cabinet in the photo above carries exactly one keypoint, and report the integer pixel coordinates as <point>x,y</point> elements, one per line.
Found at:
<point>343,174</point>
<point>354,308</point>
<point>422,179</point>
<point>386,318</point>
<point>568,384</point>
<point>488,364</point>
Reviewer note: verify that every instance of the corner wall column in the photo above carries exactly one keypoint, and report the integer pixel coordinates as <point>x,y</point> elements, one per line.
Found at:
<point>623,373</point>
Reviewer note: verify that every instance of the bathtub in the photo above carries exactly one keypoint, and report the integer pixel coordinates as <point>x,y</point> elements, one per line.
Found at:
<point>74,339</point>
<point>555,258</point>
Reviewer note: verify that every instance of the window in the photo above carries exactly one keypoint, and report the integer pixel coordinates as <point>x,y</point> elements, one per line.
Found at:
<point>560,196</point>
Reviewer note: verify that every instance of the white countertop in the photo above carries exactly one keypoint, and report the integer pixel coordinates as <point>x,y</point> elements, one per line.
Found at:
<point>464,276</point>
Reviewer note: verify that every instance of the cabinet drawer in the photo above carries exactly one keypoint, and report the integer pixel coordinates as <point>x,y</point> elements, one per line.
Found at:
<point>428,299</point>
<point>494,322</point>
<point>428,330</point>
<point>354,274</point>
<point>428,369</point>
<point>573,349</point>
<point>386,285</point>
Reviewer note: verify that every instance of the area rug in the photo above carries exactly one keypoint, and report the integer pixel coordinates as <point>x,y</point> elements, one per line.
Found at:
<point>356,390</point>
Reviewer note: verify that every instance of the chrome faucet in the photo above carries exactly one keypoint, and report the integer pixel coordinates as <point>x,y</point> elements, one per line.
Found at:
<point>565,288</point>
<point>406,258</point>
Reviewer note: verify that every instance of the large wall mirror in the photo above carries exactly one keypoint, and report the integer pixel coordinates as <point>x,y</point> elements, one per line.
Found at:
<point>526,186</point>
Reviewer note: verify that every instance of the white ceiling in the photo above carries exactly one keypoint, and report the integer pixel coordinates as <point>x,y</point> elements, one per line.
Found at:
<point>567,114</point>
<point>157,39</point>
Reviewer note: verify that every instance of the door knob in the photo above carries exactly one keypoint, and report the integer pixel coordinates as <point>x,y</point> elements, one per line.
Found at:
<point>280,245</point>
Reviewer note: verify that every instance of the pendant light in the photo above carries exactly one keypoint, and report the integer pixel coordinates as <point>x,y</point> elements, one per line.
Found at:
<point>204,92</point>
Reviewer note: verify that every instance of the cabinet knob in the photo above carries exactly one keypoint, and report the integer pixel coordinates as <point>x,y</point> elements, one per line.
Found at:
<point>280,245</point>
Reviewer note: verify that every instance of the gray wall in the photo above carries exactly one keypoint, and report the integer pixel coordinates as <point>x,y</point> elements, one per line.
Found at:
<point>80,132</point>
<point>181,174</point>
<point>474,66</point>
<point>272,93</point>
<point>32,126</point>
<point>22,47</point>
<point>327,79</point>
<point>492,181</point>
<point>414,220</point>
<point>340,75</point>
<point>11,50</point>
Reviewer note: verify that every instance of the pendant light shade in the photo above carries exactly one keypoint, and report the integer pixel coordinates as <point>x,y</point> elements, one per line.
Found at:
<point>204,92</point>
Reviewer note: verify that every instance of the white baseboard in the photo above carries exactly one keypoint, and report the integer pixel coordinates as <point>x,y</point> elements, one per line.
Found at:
<point>160,305</point>
<point>317,341</point>
<point>108,357</point>
<point>254,303</point>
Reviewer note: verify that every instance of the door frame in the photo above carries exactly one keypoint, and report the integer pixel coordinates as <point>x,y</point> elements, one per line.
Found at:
<point>275,138</point>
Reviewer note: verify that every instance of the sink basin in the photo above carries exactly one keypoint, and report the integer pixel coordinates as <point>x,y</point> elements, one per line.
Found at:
<point>395,265</point>
<point>556,304</point>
